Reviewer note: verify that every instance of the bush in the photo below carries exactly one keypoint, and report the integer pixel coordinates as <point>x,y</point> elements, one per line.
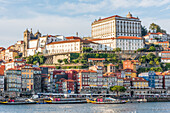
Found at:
<point>58,67</point>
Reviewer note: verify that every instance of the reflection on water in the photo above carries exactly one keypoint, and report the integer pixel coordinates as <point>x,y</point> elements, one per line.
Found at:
<point>155,107</point>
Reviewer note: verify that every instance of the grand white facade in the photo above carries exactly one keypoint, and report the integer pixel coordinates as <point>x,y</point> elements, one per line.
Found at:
<point>115,26</point>
<point>74,46</point>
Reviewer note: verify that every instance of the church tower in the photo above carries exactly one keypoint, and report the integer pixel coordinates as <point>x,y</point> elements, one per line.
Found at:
<point>26,41</point>
<point>37,34</point>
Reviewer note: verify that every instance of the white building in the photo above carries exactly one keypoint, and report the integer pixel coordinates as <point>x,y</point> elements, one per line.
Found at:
<point>116,26</point>
<point>71,46</point>
<point>14,63</point>
<point>158,36</point>
<point>129,43</point>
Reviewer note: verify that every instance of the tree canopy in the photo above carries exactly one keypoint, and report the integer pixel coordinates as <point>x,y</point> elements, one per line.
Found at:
<point>144,30</point>
<point>87,49</point>
<point>152,48</point>
<point>35,59</point>
<point>156,28</point>
<point>118,89</point>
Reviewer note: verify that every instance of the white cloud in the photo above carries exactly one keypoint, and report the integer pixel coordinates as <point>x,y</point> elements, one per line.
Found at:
<point>13,29</point>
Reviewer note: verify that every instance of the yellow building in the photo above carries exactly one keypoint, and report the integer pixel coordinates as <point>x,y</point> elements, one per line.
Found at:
<point>164,44</point>
<point>139,82</point>
<point>31,78</point>
<point>128,73</point>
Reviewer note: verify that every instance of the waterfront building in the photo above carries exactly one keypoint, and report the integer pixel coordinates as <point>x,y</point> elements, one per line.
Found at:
<point>69,86</point>
<point>116,26</point>
<point>109,79</point>
<point>99,70</point>
<point>155,81</point>
<point>31,79</point>
<point>55,77</point>
<point>13,82</point>
<point>159,80</point>
<point>119,81</point>
<point>139,82</point>
<point>127,83</point>
<point>131,64</point>
<point>166,76</point>
<point>2,78</point>
<point>45,75</point>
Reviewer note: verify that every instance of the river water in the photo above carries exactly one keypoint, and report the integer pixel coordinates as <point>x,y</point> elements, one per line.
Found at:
<point>150,107</point>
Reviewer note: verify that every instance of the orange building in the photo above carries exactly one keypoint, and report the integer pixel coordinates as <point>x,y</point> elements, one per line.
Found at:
<point>131,64</point>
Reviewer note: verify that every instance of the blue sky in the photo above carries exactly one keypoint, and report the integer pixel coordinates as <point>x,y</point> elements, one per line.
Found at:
<point>66,17</point>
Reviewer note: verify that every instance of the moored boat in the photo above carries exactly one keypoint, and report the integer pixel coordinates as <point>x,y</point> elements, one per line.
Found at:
<point>17,103</point>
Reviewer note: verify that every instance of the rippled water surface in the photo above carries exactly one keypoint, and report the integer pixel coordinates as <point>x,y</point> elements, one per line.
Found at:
<point>155,107</point>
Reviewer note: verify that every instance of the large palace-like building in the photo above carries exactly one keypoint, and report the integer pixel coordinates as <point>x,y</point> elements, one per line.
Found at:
<point>116,26</point>
<point>118,32</point>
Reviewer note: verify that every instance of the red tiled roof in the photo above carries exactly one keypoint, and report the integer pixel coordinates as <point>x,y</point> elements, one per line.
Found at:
<point>48,66</point>
<point>100,39</point>
<point>164,42</point>
<point>165,52</point>
<point>96,58</point>
<point>109,17</point>
<point>68,41</point>
<point>112,65</point>
<point>37,68</point>
<point>72,37</point>
<point>129,37</point>
<point>156,33</point>
<point>165,58</point>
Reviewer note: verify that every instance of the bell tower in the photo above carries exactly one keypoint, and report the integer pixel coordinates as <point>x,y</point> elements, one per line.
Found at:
<point>26,42</point>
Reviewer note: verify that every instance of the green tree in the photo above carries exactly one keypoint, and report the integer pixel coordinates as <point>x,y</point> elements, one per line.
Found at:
<point>156,28</point>
<point>41,59</point>
<point>151,63</point>
<point>118,89</point>
<point>117,49</point>
<point>35,62</point>
<point>87,49</point>
<point>58,67</point>
<point>150,56</point>
<point>76,61</point>
<point>29,60</point>
<point>157,62</point>
<point>60,61</point>
<point>17,57</point>
<point>97,55</point>
<point>152,48</point>
<point>65,61</point>
<point>144,30</point>
<point>142,59</point>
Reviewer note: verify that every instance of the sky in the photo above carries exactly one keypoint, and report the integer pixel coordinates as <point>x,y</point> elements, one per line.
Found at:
<point>66,17</point>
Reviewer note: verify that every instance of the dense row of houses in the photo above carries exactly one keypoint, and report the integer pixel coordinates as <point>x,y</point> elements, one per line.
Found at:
<point>97,79</point>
